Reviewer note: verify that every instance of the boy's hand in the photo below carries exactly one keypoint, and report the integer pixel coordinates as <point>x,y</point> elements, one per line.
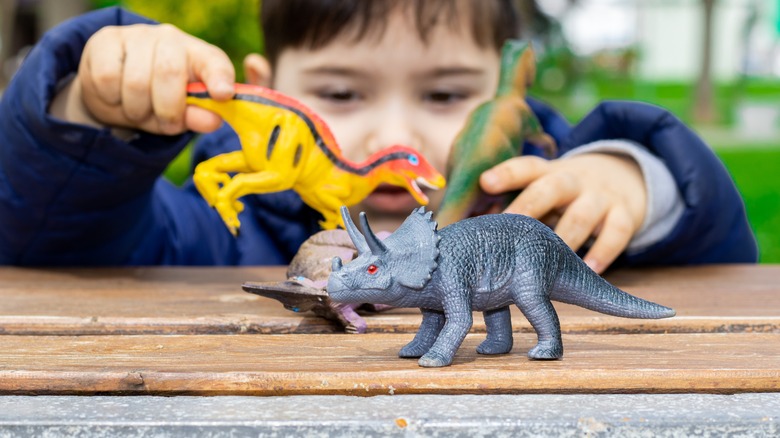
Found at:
<point>136,77</point>
<point>586,195</point>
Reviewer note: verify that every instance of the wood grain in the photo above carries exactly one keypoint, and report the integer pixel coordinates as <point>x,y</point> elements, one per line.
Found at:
<point>209,300</point>
<point>367,365</point>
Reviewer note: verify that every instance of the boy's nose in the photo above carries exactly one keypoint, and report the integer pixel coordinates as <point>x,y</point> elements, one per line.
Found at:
<point>395,126</point>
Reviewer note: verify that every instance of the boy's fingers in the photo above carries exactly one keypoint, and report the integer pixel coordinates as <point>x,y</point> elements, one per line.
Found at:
<point>579,220</point>
<point>201,120</point>
<point>169,85</point>
<point>545,194</point>
<point>103,65</point>
<point>612,240</point>
<point>515,173</point>
<point>137,76</point>
<point>136,80</point>
<point>212,66</point>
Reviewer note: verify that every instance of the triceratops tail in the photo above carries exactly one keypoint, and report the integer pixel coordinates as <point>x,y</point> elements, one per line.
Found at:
<point>580,286</point>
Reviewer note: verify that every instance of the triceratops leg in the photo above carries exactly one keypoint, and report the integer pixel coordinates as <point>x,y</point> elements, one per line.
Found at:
<point>431,325</point>
<point>499,332</point>
<point>542,316</point>
<point>456,327</point>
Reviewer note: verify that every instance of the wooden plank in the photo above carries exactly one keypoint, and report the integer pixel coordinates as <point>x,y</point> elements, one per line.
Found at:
<point>708,299</point>
<point>149,300</point>
<point>367,365</point>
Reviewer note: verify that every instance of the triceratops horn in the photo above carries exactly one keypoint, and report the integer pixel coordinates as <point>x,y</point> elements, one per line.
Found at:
<point>335,264</point>
<point>376,245</point>
<point>354,234</point>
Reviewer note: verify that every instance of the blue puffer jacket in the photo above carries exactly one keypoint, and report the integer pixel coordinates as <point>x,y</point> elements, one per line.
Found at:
<point>74,195</point>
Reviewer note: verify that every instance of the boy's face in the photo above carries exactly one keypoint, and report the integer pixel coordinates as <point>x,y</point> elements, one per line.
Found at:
<point>393,90</point>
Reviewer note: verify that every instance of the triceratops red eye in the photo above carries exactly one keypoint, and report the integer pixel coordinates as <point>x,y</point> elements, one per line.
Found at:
<point>372,269</point>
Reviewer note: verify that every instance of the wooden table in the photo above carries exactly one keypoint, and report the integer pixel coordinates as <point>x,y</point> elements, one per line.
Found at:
<point>193,331</point>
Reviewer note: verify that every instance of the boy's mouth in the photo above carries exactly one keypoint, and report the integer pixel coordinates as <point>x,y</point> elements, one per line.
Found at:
<point>389,189</point>
<point>391,199</point>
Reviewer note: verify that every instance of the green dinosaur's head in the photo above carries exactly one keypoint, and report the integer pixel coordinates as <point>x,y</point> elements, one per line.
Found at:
<point>518,68</point>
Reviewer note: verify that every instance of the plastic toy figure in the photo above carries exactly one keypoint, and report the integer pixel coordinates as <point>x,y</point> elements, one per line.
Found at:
<point>483,263</point>
<point>307,278</point>
<point>284,145</point>
<point>494,132</point>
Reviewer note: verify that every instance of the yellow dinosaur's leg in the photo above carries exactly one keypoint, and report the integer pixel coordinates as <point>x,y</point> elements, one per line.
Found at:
<point>211,174</point>
<point>245,184</point>
<point>331,219</point>
<point>328,201</point>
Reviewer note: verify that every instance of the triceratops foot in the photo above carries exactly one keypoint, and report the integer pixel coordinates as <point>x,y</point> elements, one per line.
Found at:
<point>547,350</point>
<point>432,360</point>
<point>413,349</point>
<point>495,346</point>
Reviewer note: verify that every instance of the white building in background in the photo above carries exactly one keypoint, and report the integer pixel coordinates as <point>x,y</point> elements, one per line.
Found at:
<point>668,35</point>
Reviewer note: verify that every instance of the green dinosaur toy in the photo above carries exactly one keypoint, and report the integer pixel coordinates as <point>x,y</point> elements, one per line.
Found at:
<point>494,132</point>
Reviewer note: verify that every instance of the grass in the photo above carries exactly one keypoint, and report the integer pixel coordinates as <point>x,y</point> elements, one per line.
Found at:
<point>178,170</point>
<point>579,98</point>
<point>755,173</point>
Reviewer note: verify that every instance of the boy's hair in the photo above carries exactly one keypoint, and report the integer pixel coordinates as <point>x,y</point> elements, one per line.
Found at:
<point>313,24</point>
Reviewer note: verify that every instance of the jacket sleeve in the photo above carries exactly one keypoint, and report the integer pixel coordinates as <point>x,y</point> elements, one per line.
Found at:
<point>713,227</point>
<point>75,195</point>
<point>552,123</point>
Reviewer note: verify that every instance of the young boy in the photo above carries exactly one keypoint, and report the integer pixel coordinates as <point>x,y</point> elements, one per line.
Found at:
<point>97,111</point>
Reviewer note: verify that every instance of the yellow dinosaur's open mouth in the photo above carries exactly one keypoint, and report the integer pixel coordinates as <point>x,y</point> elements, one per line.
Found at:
<point>416,191</point>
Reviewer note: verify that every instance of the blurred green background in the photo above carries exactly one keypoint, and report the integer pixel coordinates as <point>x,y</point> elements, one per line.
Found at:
<point>714,63</point>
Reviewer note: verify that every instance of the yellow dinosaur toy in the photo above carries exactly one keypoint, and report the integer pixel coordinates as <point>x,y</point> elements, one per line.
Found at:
<point>284,145</point>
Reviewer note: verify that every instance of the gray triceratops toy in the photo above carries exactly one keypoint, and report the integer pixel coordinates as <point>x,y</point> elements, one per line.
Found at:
<point>483,263</point>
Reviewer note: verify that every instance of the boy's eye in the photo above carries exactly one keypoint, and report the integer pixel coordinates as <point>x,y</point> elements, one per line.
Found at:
<point>443,97</point>
<point>339,96</point>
